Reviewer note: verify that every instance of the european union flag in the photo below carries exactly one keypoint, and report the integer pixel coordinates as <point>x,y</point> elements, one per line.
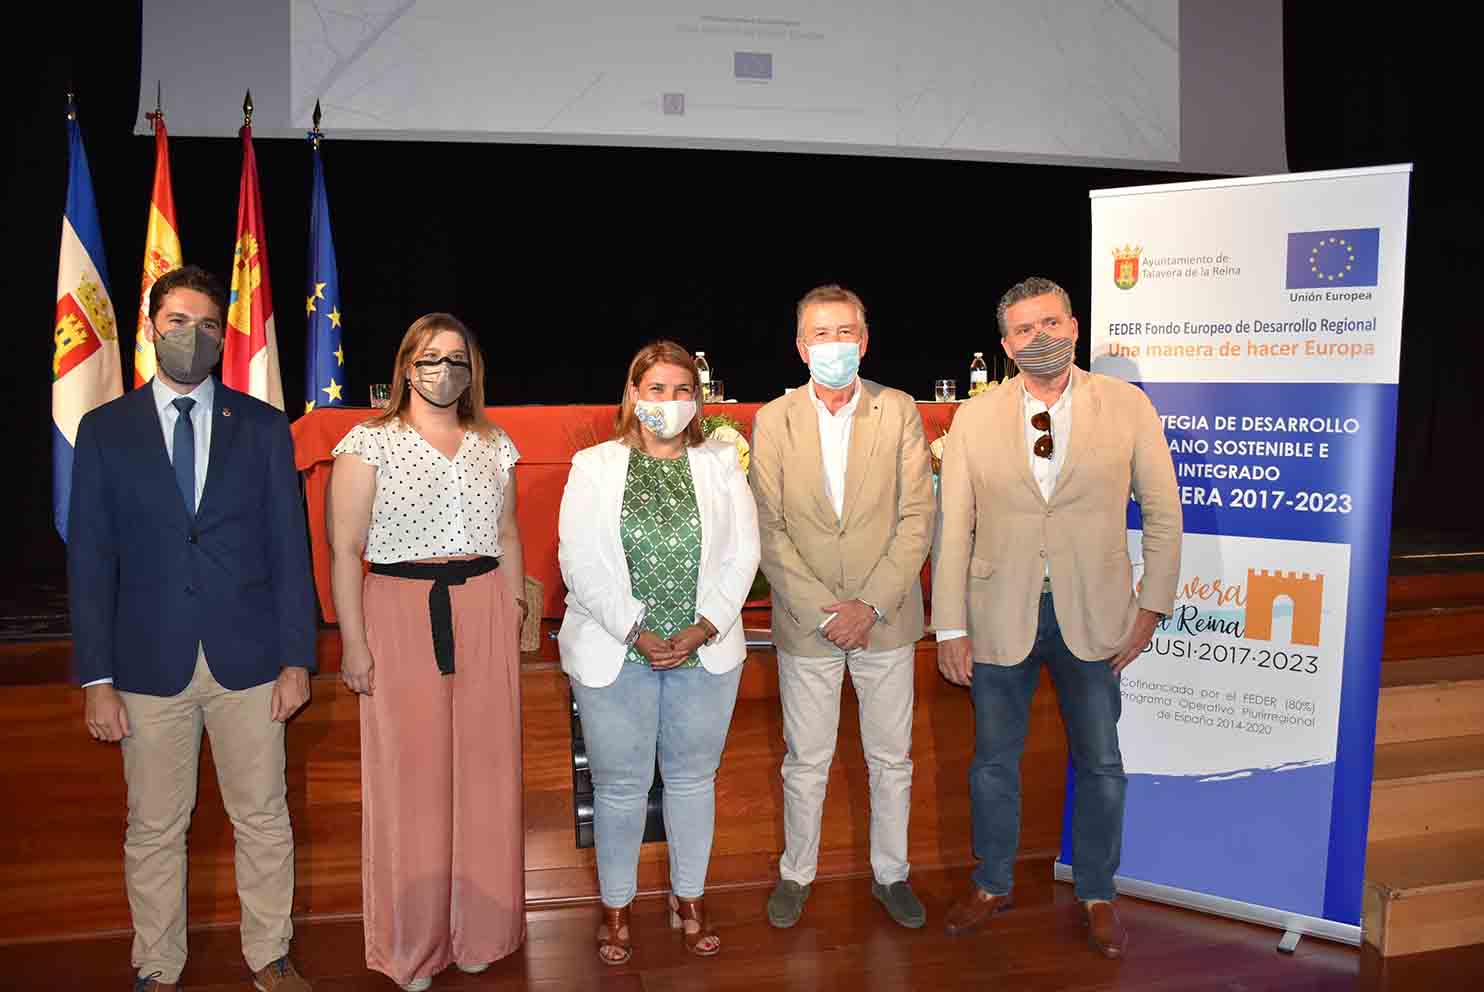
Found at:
<point>752,65</point>
<point>1334,258</point>
<point>324,358</point>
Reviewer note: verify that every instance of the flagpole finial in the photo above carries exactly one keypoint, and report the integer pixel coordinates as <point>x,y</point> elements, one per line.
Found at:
<point>316,134</point>
<point>71,102</point>
<point>247,110</point>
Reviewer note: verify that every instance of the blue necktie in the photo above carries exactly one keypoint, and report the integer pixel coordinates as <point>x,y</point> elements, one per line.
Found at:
<point>185,453</point>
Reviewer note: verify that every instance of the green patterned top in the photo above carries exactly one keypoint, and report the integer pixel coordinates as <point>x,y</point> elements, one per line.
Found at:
<point>661,529</point>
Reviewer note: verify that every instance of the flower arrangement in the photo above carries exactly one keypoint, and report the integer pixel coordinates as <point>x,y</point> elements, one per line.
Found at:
<point>720,427</point>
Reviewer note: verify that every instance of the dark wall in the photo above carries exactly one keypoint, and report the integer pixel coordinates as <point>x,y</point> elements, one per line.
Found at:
<point>564,260</point>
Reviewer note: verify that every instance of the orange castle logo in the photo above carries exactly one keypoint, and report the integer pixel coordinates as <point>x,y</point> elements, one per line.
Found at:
<point>1304,591</point>
<point>1126,266</point>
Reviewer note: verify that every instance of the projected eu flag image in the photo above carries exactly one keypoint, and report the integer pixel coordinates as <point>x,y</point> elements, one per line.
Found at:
<point>1333,258</point>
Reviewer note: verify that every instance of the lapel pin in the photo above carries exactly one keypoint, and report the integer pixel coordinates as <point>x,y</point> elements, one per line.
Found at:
<point>226,411</point>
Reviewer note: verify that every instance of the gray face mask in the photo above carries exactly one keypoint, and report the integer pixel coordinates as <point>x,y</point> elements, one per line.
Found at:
<point>1046,356</point>
<point>441,382</point>
<point>188,353</point>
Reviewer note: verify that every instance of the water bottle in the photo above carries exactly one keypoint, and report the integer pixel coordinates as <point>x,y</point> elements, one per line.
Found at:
<point>978,375</point>
<point>704,371</point>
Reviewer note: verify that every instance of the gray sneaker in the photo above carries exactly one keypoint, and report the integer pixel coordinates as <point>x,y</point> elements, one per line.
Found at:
<point>786,904</point>
<point>900,902</point>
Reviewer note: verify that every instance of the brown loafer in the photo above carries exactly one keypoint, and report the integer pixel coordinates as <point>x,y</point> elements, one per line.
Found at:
<point>974,909</point>
<point>1105,930</point>
<point>280,976</point>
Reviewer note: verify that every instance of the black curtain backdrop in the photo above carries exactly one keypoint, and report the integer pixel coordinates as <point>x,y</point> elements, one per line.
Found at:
<point>564,260</point>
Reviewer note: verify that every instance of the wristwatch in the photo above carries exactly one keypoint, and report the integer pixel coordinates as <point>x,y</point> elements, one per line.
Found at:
<point>638,627</point>
<point>879,614</point>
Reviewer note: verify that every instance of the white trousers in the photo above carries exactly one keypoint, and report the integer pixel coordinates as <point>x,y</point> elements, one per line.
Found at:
<point>810,692</point>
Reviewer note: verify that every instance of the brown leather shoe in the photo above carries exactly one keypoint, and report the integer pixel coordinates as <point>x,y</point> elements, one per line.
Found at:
<point>1104,929</point>
<point>974,909</point>
<point>150,983</point>
<point>280,976</point>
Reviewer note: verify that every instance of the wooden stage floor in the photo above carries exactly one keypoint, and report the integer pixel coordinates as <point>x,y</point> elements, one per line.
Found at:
<point>844,942</point>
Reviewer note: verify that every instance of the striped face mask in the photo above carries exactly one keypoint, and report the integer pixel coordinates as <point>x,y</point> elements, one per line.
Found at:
<point>1046,356</point>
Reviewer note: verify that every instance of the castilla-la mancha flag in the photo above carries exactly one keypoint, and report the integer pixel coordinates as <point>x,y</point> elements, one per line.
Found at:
<point>161,249</point>
<point>250,358</point>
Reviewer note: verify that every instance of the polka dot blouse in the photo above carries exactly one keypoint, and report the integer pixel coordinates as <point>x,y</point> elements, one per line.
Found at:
<point>427,506</point>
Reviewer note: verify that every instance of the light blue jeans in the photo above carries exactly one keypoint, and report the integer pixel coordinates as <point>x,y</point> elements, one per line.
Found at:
<point>684,714</point>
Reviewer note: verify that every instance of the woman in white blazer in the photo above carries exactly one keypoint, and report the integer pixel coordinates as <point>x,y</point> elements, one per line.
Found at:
<point>658,548</point>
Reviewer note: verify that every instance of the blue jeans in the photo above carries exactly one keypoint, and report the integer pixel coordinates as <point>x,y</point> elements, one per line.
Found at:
<point>1090,700</point>
<point>683,713</point>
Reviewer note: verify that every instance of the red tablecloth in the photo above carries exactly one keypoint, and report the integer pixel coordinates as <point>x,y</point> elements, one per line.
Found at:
<point>547,437</point>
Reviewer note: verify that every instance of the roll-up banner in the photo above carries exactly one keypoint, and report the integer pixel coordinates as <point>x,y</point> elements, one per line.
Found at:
<point>1263,318</point>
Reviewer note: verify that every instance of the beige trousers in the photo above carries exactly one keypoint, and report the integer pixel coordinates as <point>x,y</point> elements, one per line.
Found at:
<point>161,764</point>
<point>810,692</point>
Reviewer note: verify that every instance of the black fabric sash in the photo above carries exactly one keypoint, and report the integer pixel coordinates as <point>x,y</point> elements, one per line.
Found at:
<point>440,606</point>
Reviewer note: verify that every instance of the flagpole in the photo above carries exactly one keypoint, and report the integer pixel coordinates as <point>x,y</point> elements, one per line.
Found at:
<point>324,356</point>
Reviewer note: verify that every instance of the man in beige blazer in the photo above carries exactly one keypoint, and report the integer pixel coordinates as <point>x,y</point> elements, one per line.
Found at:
<point>843,483</point>
<point>1032,569</point>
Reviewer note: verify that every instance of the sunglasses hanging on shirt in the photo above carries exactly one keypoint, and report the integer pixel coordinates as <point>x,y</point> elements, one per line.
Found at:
<point>1044,445</point>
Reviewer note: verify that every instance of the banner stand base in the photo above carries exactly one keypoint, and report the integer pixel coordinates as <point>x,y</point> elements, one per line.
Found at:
<point>1293,924</point>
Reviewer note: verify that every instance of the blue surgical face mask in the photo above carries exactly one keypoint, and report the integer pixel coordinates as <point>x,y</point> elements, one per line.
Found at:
<point>834,363</point>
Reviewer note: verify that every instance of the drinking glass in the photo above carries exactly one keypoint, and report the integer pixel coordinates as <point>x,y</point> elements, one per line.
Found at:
<point>718,391</point>
<point>381,394</point>
<point>945,390</point>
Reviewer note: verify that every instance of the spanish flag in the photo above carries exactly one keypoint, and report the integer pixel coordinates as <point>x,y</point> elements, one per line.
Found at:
<point>161,248</point>
<point>250,359</point>
<point>86,371</point>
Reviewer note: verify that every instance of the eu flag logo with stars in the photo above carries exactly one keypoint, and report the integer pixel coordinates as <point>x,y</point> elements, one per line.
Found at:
<point>324,359</point>
<point>1334,258</point>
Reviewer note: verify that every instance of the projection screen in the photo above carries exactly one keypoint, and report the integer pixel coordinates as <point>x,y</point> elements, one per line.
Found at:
<point>1194,85</point>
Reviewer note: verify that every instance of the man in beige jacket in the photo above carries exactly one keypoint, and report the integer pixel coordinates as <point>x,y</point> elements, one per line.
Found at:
<point>843,482</point>
<point>1033,569</point>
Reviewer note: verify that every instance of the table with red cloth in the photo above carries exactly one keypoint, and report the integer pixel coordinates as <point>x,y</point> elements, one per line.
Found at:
<point>547,437</point>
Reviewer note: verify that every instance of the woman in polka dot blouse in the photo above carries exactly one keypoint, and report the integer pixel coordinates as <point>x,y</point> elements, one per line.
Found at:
<point>425,493</point>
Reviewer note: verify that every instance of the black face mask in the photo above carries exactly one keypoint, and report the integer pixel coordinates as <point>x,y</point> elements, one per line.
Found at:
<point>441,381</point>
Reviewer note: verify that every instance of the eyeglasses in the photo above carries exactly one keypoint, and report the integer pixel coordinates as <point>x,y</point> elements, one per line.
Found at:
<point>1044,445</point>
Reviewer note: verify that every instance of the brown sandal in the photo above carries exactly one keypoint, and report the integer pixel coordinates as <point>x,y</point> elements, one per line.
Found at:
<point>684,912</point>
<point>614,921</point>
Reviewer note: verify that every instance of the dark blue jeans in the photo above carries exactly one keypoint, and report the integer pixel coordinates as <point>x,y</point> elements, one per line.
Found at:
<point>1088,693</point>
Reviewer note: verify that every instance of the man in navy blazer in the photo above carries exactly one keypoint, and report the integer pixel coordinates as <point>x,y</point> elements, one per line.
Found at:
<point>192,605</point>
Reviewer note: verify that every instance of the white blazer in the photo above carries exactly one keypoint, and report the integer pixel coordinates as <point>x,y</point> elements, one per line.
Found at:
<point>601,608</point>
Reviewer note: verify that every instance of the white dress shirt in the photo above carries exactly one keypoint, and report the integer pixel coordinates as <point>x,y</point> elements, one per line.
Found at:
<point>205,396</point>
<point>834,443</point>
<point>1043,470</point>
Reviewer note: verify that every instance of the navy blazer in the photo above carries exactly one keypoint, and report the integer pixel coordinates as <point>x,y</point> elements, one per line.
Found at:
<point>147,583</point>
